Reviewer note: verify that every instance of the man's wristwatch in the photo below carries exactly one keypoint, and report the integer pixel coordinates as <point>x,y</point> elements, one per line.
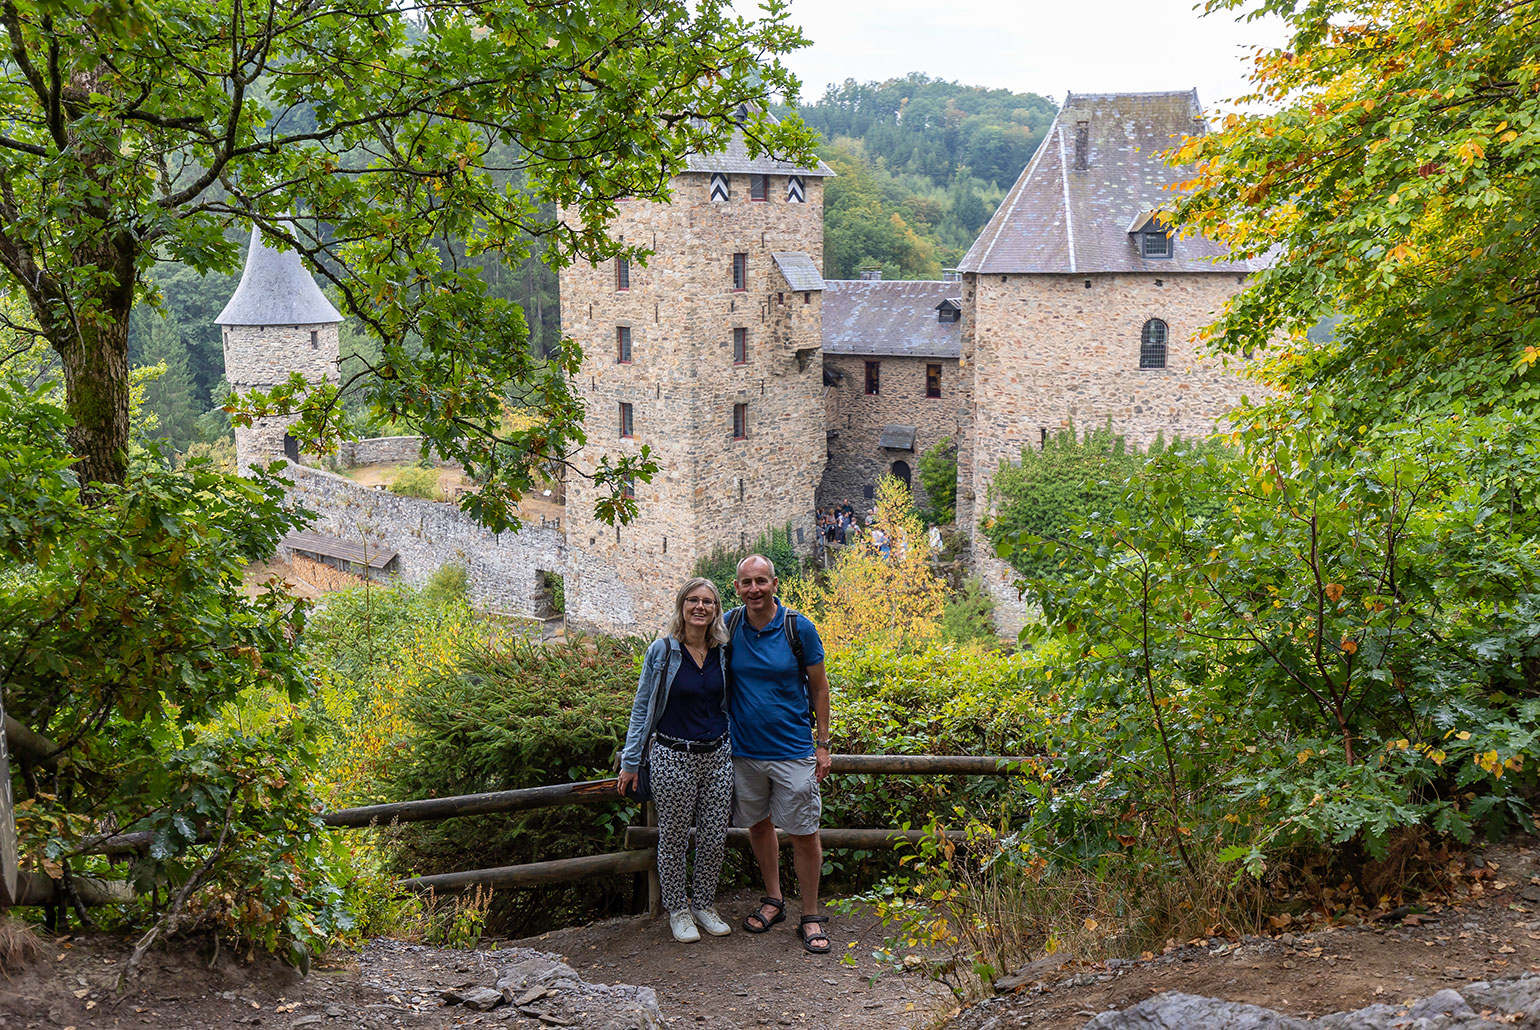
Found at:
<point>821,743</point>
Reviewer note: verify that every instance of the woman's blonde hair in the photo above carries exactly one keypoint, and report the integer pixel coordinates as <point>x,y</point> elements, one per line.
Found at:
<point>716,633</point>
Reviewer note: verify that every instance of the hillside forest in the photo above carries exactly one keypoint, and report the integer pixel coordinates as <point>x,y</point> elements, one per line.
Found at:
<point>921,165</point>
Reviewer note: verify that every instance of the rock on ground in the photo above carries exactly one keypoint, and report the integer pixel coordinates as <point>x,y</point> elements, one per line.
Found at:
<point>543,987</point>
<point>1478,1006</point>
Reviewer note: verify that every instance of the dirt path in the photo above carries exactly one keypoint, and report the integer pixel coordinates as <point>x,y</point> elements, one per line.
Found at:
<point>736,981</point>
<point>1493,935</point>
<point>752,980</point>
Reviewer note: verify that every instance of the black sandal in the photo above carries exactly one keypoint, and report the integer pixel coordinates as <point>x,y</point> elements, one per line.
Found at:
<point>779,904</point>
<point>809,939</point>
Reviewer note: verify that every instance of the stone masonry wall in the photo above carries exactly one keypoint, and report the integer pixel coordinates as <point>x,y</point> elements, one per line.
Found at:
<point>503,567</point>
<point>682,383</point>
<point>1048,351</point>
<point>380,450</point>
<point>262,356</point>
<point>855,461</point>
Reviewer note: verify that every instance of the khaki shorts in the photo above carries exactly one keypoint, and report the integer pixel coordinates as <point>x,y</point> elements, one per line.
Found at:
<point>786,791</point>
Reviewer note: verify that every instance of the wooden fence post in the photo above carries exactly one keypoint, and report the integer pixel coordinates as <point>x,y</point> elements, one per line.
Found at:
<point>654,885</point>
<point>8,859</point>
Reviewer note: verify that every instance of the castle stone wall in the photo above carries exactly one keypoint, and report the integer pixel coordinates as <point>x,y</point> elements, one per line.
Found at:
<point>380,450</point>
<point>855,461</point>
<point>682,383</point>
<point>503,567</point>
<point>1048,351</point>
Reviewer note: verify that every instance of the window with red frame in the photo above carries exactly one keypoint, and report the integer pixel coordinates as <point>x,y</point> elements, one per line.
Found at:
<point>740,421</point>
<point>623,345</point>
<point>622,274</point>
<point>625,419</point>
<point>740,346</point>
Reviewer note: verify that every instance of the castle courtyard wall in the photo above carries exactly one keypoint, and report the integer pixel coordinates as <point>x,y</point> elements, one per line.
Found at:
<point>856,419</point>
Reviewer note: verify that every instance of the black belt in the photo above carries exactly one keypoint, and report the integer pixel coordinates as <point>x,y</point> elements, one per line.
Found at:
<point>692,747</point>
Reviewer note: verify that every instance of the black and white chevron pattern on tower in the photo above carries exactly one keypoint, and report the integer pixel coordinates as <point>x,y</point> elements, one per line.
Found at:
<point>718,188</point>
<point>795,192</point>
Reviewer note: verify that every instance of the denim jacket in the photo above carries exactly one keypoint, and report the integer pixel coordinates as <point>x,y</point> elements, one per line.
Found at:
<point>659,668</point>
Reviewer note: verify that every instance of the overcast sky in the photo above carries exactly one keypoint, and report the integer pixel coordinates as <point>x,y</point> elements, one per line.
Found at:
<point>1029,46</point>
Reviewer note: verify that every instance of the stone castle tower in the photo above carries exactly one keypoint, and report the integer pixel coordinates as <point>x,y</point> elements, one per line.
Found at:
<point>710,356</point>
<point>277,322</point>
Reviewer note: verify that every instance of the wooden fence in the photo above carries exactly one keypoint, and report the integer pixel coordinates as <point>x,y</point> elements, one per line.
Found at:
<point>640,841</point>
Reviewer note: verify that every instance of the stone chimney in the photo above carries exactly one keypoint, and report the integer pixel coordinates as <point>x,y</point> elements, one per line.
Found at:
<point>1082,145</point>
<point>872,273</point>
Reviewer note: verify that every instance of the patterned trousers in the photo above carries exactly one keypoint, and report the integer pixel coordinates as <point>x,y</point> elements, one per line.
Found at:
<point>691,790</point>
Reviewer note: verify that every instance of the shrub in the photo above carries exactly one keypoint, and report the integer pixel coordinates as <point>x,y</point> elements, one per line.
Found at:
<point>938,474</point>
<point>449,583</point>
<point>968,615</point>
<point>417,481</point>
<point>721,565</point>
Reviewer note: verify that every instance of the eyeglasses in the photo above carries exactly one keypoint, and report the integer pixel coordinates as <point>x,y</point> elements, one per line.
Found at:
<point>697,602</point>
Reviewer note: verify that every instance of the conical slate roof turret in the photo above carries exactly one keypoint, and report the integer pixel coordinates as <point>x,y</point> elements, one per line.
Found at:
<point>275,289</point>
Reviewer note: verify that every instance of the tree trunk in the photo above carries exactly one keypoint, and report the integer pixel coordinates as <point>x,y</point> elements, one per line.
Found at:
<point>95,365</point>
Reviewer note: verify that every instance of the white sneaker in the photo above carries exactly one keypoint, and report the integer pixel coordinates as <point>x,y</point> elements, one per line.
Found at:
<point>711,922</point>
<point>683,926</point>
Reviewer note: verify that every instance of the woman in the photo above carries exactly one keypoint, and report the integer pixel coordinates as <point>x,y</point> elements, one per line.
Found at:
<point>680,711</point>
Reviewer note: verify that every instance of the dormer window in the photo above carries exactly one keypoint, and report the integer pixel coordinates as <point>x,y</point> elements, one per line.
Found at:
<point>1155,244</point>
<point>1151,234</point>
<point>949,310</point>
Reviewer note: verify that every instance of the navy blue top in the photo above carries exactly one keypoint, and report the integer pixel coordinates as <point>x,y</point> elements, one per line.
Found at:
<point>694,709</point>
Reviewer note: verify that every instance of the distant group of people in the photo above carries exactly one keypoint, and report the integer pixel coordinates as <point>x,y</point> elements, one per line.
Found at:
<point>731,721</point>
<point>837,524</point>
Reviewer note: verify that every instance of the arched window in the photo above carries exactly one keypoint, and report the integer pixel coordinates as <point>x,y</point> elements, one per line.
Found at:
<point>1152,344</point>
<point>901,471</point>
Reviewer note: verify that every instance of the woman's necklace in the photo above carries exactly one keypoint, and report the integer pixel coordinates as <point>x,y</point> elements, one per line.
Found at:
<point>698,652</point>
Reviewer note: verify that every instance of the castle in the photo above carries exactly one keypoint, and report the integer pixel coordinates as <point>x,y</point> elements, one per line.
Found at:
<point>763,389</point>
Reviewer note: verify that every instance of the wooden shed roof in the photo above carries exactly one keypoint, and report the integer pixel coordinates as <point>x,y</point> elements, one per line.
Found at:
<point>333,547</point>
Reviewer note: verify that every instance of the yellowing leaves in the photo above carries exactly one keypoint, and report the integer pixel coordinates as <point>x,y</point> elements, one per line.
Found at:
<point>1470,151</point>
<point>1334,592</point>
<point>1350,646</point>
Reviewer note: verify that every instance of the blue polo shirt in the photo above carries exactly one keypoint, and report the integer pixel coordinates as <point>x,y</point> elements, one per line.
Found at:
<point>769,703</point>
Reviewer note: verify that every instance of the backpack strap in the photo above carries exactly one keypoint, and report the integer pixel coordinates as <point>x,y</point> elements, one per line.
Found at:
<point>794,638</point>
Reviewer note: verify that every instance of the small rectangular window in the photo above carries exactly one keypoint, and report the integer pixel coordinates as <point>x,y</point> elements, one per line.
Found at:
<point>759,187</point>
<point>873,378</point>
<point>740,346</point>
<point>628,488</point>
<point>623,345</point>
<point>933,380</point>
<point>315,339</point>
<point>622,274</point>
<point>740,272</point>
<point>625,420</point>
<point>1157,245</point>
<point>740,421</point>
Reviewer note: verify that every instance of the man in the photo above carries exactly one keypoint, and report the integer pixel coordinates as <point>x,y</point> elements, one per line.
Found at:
<point>777,763</point>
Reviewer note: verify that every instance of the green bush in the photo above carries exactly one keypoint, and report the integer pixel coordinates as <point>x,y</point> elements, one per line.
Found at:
<point>938,474</point>
<point>968,614</point>
<point>511,714</point>
<point>721,565</point>
<point>416,481</point>
<point>448,584</point>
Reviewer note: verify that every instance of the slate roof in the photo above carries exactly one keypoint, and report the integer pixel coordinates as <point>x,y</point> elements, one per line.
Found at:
<point>1058,218</point>
<point>897,438</point>
<point>275,289</point>
<point>798,270</point>
<point>892,318</point>
<point>735,158</point>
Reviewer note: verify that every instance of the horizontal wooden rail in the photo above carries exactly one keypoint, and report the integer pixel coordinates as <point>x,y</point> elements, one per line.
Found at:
<point>559,870</point>
<point>583,793</point>
<point>834,838</point>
